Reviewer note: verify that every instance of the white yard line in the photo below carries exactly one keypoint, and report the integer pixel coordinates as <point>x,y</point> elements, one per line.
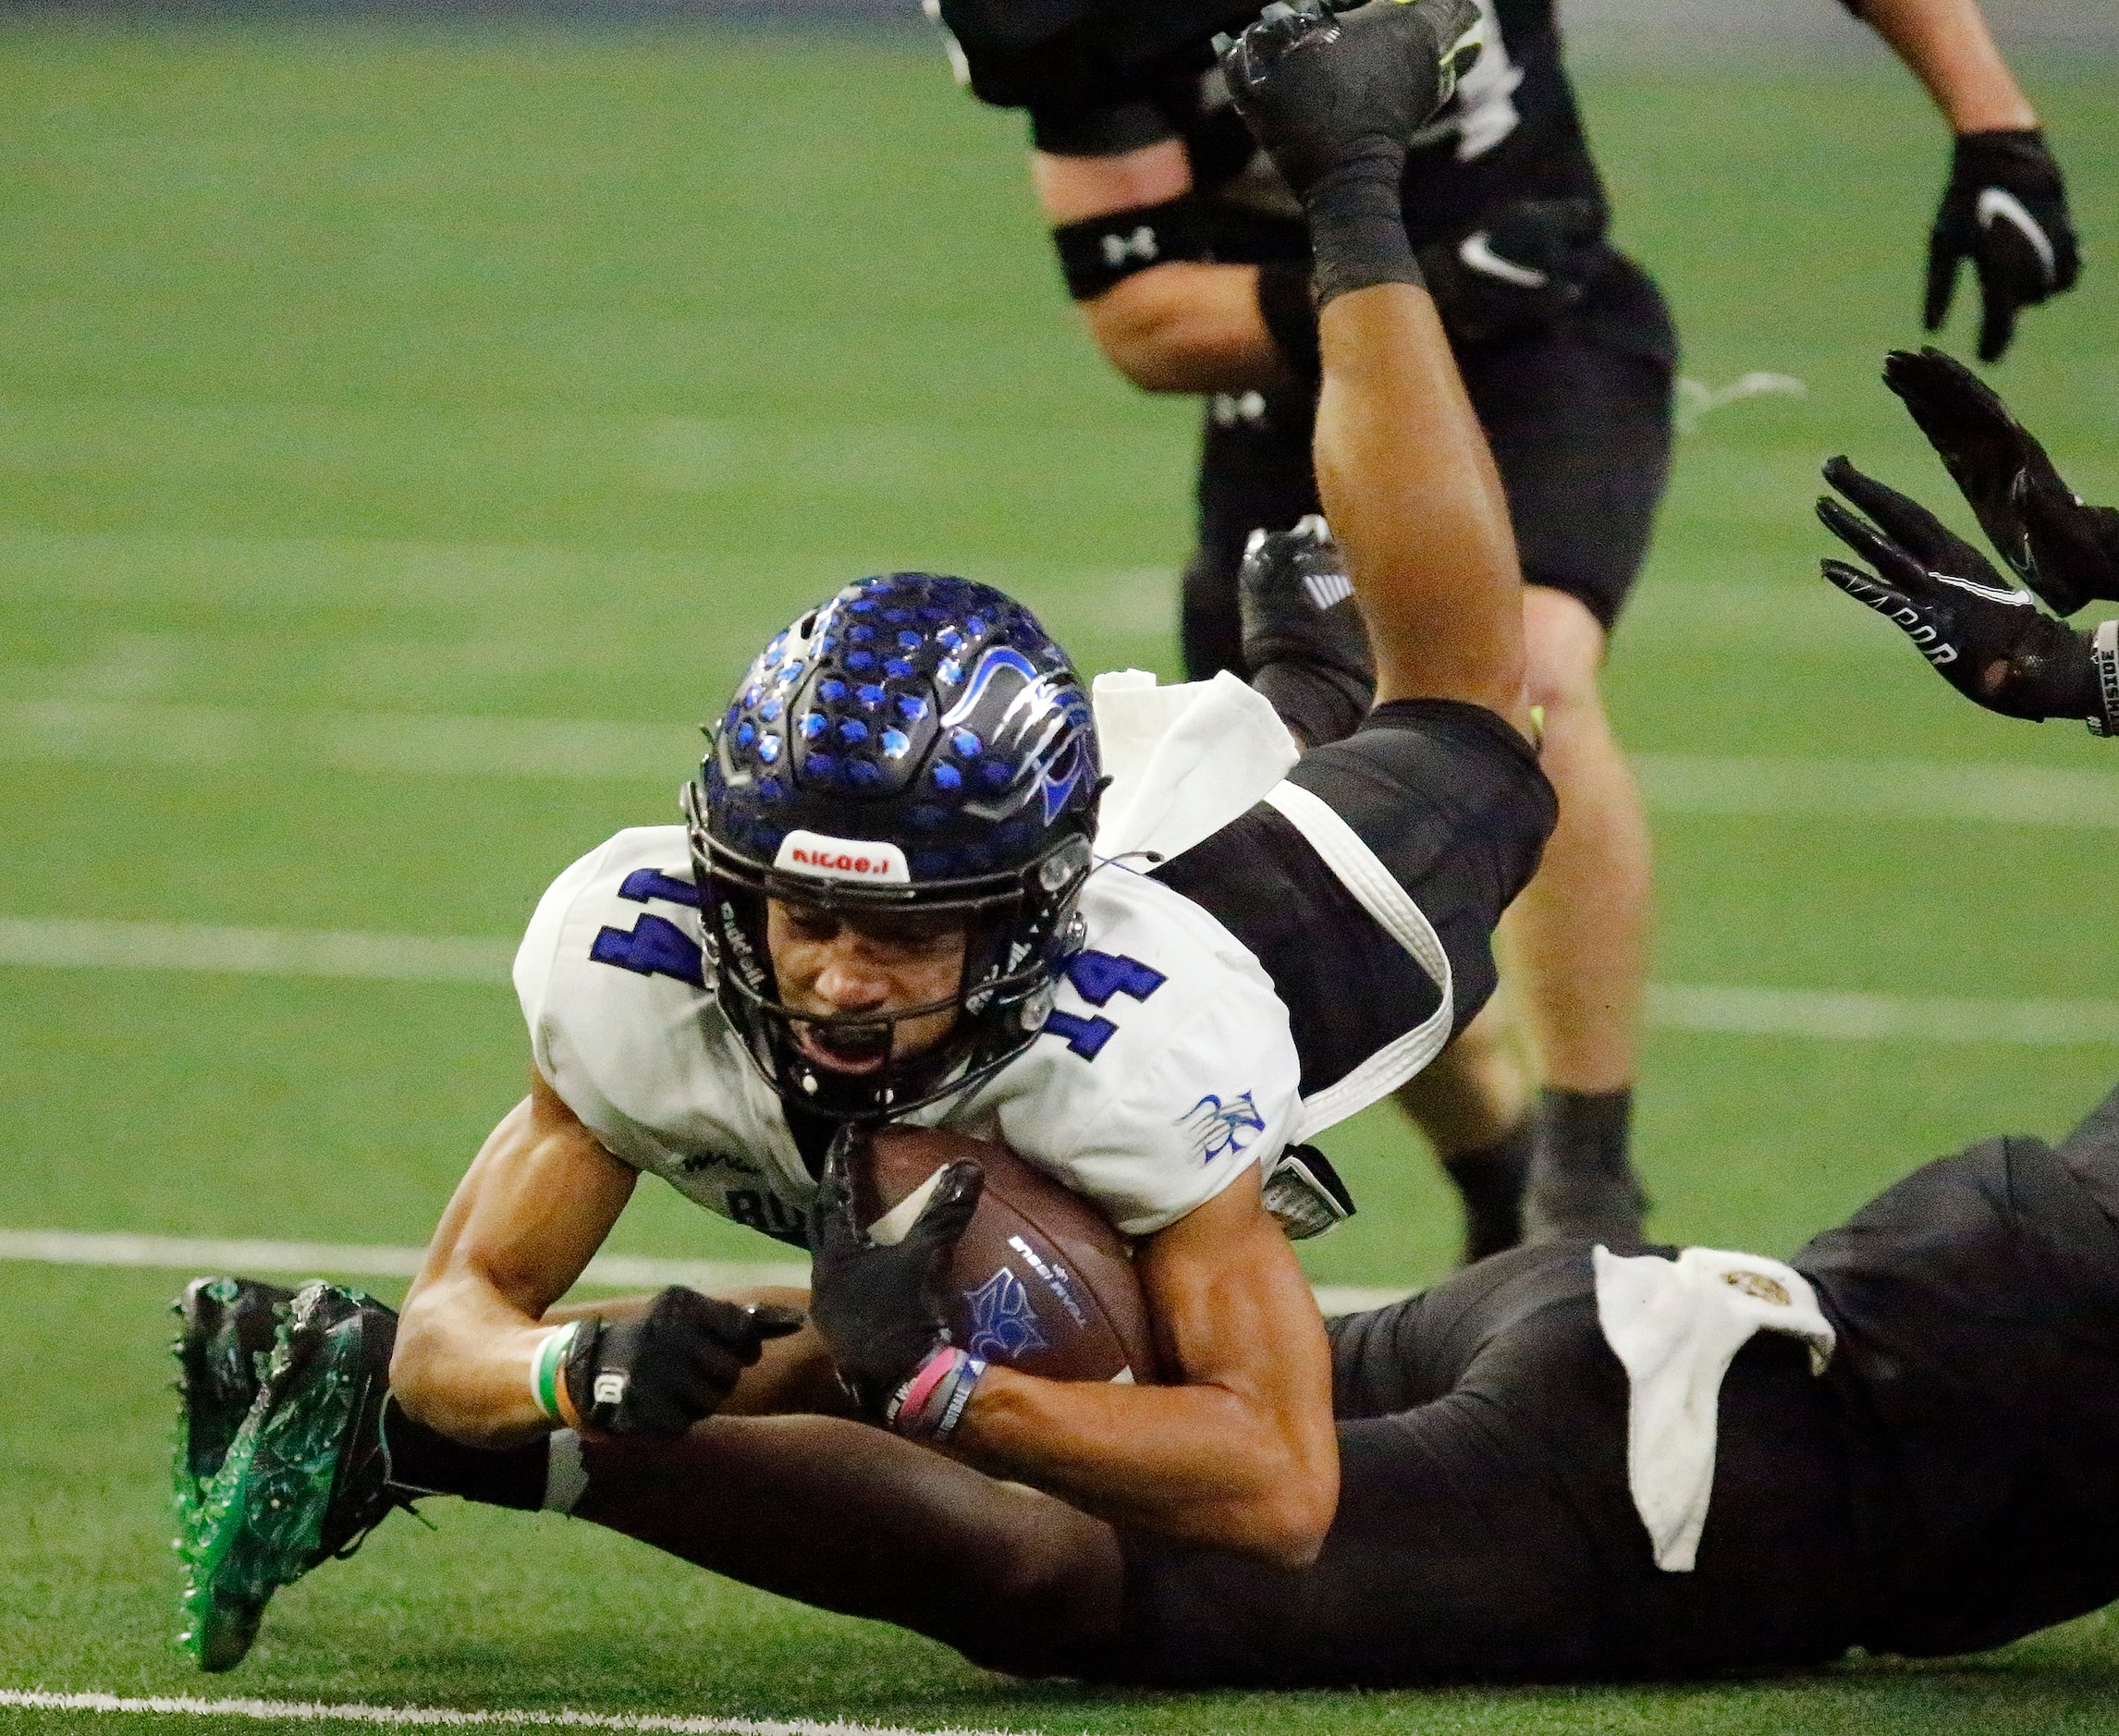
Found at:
<point>190,1253</point>
<point>1869,790</point>
<point>217,950</point>
<point>444,1717</point>
<point>1845,1017</point>
<point>1724,1009</point>
<point>310,1259</point>
<point>405,743</point>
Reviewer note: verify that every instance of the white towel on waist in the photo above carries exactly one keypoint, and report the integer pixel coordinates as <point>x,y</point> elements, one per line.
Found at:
<point>1676,1326</point>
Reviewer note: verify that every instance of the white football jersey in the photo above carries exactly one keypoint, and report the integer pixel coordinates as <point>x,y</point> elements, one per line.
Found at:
<point>1166,1068</point>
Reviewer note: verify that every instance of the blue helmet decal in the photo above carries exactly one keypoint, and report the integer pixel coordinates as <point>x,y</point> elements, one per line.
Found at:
<point>1047,728</point>
<point>927,710</point>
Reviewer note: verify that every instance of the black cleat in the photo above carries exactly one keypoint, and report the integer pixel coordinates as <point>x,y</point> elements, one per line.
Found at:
<point>1304,645</point>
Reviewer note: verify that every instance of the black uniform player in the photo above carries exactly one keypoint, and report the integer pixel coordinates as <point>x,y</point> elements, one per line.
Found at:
<point>1191,264</point>
<point>1948,1484</point>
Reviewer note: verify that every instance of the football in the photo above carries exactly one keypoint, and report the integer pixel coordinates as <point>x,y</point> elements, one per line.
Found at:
<point>1042,1281</point>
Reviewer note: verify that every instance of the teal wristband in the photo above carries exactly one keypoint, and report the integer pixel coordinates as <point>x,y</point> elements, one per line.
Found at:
<point>545,1366</point>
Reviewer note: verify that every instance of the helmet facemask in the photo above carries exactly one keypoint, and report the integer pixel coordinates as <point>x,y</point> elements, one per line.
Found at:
<point>916,747</point>
<point>1018,930</point>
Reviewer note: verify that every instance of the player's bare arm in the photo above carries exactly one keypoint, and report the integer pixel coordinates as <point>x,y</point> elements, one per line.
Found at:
<point>532,1209</point>
<point>1233,1446</point>
<point>1946,46</point>
<point>1182,324</point>
<point>1239,1450</point>
<point>1407,481</point>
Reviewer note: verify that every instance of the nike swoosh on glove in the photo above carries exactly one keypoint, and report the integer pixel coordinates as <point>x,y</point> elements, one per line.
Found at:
<point>2006,209</point>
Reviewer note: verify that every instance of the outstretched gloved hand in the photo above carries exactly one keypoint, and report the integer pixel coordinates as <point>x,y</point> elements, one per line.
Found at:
<point>2065,551</point>
<point>1983,635</point>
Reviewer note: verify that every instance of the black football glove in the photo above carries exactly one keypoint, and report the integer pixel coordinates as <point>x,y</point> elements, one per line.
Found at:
<point>883,1311</point>
<point>2065,551</point>
<point>661,1371</point>
<point>1303,641</point>
<point>2006,209</point>
<point>1325,93</point>
<point>1534,260</point>
<point>1985,637</point>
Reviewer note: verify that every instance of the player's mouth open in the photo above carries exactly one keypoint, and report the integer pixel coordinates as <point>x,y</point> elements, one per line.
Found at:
<point>846,1049</point>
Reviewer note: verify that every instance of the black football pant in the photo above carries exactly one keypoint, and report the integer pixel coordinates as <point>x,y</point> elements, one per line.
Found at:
<point>1485,1528</point>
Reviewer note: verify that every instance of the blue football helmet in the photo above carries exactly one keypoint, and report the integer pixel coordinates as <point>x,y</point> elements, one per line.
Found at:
<point>917,744</point>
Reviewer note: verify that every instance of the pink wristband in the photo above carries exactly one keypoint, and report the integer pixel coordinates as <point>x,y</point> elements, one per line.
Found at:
<point>913,1395</point>
<point>930,1404</point>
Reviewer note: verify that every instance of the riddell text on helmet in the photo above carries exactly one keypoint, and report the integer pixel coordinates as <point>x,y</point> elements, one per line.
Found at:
<point>877,861</point>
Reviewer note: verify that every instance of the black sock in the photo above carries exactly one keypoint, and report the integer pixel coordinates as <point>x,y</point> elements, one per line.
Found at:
<point>1587,1131</point>
<point>424,1461</point>
<point>1491,1180</point>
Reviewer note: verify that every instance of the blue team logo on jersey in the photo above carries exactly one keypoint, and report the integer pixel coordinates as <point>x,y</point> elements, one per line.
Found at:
<point>1217,1128</point>
<point>1004,1322</point>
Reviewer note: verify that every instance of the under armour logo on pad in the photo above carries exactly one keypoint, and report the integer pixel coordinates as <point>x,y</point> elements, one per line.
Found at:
<point>1140,245</point>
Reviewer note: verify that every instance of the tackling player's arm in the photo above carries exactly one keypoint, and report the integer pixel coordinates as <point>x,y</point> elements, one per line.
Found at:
<point>1403,470</point>
<point>477,1358</point>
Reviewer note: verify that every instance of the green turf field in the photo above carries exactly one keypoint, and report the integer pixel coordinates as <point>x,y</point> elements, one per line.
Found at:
<point>354,377</point>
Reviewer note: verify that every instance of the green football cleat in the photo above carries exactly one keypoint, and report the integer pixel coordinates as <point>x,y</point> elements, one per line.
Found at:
<point>225,1333</point>
<point>306,1477</point>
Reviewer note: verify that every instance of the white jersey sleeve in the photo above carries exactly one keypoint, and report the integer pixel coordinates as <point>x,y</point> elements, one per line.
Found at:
<point>624,1030</point>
